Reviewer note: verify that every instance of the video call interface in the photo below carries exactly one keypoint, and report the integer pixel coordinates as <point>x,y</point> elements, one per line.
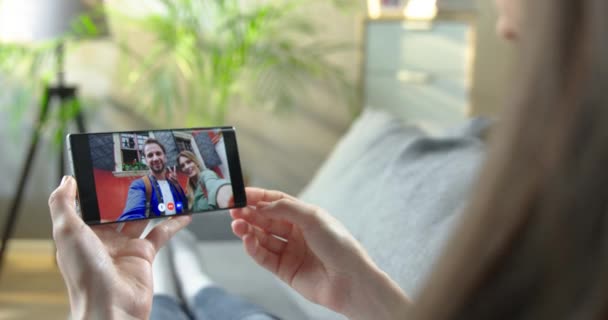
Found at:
<point>147,174</point>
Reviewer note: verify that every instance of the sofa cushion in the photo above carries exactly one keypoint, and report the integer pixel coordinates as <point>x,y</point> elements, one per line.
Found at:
<point>398,190</point>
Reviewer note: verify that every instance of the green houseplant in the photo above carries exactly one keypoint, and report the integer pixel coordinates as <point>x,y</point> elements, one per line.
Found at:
<point>207,55</point>
<point>203,57</point>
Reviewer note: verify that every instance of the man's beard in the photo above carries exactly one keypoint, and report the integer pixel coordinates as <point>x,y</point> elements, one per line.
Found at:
<point>161,170</point>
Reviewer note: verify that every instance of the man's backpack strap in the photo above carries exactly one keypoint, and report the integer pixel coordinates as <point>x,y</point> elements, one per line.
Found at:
<point>148,185</point>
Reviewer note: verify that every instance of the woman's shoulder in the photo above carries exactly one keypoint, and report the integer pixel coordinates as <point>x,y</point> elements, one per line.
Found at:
<point>208,173</point>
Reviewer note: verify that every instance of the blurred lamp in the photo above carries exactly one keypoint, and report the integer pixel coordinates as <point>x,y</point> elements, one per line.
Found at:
<point>32,21</point>
<point>420,10</point>
<point>27,21</point>
<point>374,8</point>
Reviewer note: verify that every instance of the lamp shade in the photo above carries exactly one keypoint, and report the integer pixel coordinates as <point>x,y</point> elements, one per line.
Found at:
<point>25,21</point>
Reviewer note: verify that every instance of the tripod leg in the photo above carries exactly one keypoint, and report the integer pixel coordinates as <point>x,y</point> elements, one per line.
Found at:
<point>69,100</point>
<point>80,119</point>
<point>81,129</point>
<point>14,208</point>
<point>61,159</point>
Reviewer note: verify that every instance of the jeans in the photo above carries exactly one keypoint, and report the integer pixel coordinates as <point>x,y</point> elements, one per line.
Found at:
<point>210,303</point>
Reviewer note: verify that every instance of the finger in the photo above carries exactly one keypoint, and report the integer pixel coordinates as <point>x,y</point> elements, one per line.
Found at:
<point>261,255</point>
<point>63,209</point>
<point>104,231</point>
<point>268,241</point>
<point>278,227</point>
<point>255,195</point>
<point>318,230</point>
<point>283,262</point>
<point>134,229</point>
<point>235,212</point>
<point>294,255</point>
<point>240,228</point>
<point>239,213</point>
<point>62,200</point>
<point>166,229</point>
<point>293,211</point>
<point>223,196</point>
<point>108,235</point>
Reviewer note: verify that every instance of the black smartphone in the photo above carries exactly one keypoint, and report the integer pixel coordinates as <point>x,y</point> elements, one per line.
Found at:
<point>134,175</point>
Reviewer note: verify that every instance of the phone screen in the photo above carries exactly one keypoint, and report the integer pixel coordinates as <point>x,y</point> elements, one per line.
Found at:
<point>136,175</point>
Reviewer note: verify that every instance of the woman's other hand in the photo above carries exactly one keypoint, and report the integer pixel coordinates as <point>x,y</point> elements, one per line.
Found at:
<point>316,255</point>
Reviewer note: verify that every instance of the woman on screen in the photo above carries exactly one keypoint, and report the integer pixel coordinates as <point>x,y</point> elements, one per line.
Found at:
<point>205,190</point>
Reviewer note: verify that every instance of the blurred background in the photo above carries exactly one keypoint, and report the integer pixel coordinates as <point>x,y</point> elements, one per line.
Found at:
<point>291,76</point>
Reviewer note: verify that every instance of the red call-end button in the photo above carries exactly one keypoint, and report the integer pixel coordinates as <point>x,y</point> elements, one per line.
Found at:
<point>170,206</point>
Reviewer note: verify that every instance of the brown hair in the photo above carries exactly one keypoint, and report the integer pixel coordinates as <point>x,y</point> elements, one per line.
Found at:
<point>534,241</point>
<point>191,187</point>
<point>154,141</point>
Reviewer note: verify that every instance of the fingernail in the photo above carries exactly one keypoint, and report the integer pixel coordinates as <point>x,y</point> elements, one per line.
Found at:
<point>63,180</point>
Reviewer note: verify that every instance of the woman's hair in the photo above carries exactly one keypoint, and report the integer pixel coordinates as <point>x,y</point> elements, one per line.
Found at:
<point>191,184</point>
<point>533,243</point>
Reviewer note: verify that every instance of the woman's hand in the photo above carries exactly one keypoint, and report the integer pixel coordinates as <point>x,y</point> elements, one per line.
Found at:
<point>224,196</point>
<point>108,273</point>
<point>314,253</point>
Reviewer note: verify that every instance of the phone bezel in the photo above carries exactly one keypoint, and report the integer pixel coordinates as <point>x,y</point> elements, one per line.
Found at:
<point>82,169</point>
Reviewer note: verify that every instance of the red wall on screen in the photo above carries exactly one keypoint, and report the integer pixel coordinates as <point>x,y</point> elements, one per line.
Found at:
<point>112,193</point>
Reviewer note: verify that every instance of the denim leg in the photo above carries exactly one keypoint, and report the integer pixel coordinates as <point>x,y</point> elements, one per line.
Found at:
<point>214,303</point>
<point>167,307</point>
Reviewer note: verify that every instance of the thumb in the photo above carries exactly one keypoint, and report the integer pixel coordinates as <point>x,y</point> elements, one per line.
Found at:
<point>166,229</point>
<point>62,201</point>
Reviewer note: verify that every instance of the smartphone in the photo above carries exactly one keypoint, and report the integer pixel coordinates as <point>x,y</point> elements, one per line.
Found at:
<point>135,175</point>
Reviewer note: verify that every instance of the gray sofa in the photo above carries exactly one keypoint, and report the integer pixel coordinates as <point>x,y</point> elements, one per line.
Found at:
<point>397,189</point>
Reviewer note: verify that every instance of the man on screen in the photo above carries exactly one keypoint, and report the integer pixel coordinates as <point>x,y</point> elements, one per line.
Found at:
<point>158,193</point>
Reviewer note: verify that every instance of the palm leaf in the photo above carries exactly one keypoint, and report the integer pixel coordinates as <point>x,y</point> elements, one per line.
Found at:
<point>206,54</point>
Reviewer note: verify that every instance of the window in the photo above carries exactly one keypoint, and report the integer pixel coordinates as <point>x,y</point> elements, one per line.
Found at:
<point>183,144</point>
<point>131,149</point>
